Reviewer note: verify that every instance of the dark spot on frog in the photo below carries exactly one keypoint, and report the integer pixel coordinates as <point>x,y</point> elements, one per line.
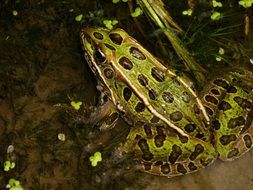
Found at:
<point>98,35</point>
<point>211,99</point>
<point>148,131</point>
<point>154,119</point>
<point>224,106</point>
<point>110,47</point>
<point>158,163</point>
<point>159,140</point>
<point>215,91</point>
<point>236,122</point>
<point>181,169</point>
<point>138,137</point>
<point>243,103</point>
<point>196,109</point>
<point>226,139</point>
<point>231,89</point>
<point>216,124</point>
<point>165,169</point>
<point>139,107</point>
<point>175,153</point>
<point>176,116</point>
<point>209,110</point>
<point>135,52</point>
<point>148,156</point>
<point>125,63</point>
<point>109,73</point>
<point>200,135</point>
<point>127,93</point>
<point>234,152</point>
<point>167,97</point>
<point>190,127</point>
<point>143,80</point>
<point>159,130</point>
<point>192,167</point>
<point>197,151</point>
<point>247,140</point>
<point>142,143</point>
<point>116,38</point>
<point>157,74</point>
<point>147,166</point>
<point>222,83</point>
<point>183,139</point>
<point>152,94</point>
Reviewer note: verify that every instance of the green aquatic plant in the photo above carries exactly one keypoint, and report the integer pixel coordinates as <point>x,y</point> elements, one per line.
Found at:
<point>110,23</point>
<point>117,1</point>
<point>61,136</point>
<point>245,3</point>
<point>187,12</point>
<point>216,15</point>
<point>97,157</point>
<point>14,184</point>
<point>78,18</point>
<point>137,12</point>
<point>8,165</point>
<point>15,13</point>
<point>76,105</point>
<point>216,3</point>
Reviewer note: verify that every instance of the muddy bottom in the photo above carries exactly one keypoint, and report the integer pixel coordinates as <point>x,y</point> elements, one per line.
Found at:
<point>42,70</point>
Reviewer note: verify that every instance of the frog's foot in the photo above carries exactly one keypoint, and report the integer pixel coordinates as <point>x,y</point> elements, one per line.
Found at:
<point>159,152</point>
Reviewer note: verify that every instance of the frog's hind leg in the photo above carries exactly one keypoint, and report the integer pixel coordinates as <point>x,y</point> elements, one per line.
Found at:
<point>232,114</point>
<point>157,150</point>
<point>235,135</point>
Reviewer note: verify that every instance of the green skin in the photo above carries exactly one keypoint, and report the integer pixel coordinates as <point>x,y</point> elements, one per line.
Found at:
<point>175,131</point>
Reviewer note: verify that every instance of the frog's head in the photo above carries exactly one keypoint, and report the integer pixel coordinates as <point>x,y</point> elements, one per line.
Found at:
<point>100,47</point>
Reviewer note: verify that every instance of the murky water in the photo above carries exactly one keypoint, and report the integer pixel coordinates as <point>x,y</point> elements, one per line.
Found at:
<point>42,70</point>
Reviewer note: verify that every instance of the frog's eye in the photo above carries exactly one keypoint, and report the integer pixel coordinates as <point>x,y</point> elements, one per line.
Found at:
<point>99,56</point>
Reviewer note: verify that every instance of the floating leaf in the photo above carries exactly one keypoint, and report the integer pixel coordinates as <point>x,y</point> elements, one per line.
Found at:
<point>215,16</point>
<point>216,4</point>
<point>187,12</point>
<point>76,105</point>
<point>137,12</point>
<point>95,159</point>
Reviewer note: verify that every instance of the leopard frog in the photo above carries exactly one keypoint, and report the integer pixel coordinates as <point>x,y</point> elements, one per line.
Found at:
<point>175,130</point>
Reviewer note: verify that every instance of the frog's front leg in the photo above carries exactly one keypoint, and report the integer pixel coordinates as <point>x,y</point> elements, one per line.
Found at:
<point>105,114</point>
<point>103,118</point>
<point>159,151</point>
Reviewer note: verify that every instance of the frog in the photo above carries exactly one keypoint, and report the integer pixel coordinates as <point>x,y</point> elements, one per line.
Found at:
<point>175,129</point>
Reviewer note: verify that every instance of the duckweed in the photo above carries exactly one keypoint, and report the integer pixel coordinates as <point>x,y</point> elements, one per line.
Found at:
<point>96,158</point>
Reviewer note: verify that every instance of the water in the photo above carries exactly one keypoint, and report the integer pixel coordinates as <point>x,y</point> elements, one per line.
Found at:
<point>42,70</point>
